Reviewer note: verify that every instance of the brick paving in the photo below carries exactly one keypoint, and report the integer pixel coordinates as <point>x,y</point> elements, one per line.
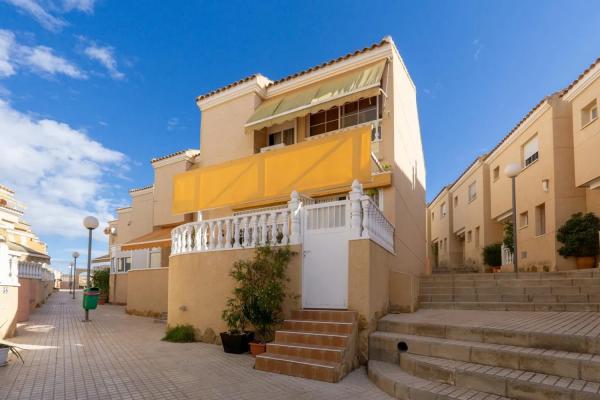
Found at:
<point>117,356</point>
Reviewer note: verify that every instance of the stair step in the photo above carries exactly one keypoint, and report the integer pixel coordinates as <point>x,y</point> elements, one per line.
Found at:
<point>572,332</point>
<point>324,315</point>
<point>514,383</point>
<point>313,352</point>
<point>582,273</point>
<point>383,346</point>
<point>311,338</point>
<point>318,326</point>
<point>532,290</point>
<point>397,383</point>
<point>298,366</point>
<point>510,306</point>
<point>486,283</point>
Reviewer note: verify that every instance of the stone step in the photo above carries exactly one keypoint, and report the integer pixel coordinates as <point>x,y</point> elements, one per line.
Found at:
<point>575,332</point>
<point>313,352</point>
<point>318,326</point>
<point>510,306</point>
<point>387,346</point>
<point>399,384</point>
<point>512,383</point>
<point>583,273</point>
<point>298,366</point>
<point>490,283</point>
<point>324,315</point>
<point>311,338</point>
<point>505,290</point>
<point>513,298</point>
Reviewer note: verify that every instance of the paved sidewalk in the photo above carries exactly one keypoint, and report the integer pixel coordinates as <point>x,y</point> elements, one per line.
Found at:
<point>117,356</point>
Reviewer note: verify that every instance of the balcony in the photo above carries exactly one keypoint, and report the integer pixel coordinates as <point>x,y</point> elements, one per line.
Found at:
<point>323,165</point>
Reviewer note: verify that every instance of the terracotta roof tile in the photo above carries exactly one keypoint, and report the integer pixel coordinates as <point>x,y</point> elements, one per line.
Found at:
<point>580,77</point>
<point>222,89</point>
<point>172,155</point>
<point>140,189</point>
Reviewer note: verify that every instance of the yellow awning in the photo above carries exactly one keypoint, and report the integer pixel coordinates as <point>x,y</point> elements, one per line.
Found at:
<point>348,87</point>
<point>323,163</point>
<point>157,238</point>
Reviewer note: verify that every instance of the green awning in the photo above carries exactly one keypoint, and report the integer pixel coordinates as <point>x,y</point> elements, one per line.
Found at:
<point>348,87</point>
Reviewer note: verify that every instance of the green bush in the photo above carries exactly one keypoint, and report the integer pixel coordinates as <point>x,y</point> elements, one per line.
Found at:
<point>579,236</point>
<point>180,334</point>
<point>261,288</point>
<point>492,255</point>
<point>100,278</point>
<point>509,237</point>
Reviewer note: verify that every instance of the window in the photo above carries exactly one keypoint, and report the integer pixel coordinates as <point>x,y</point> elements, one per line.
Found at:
<point>496,173</point>
<point>455,201</point>
<point>350,114</point>
<point>477,237</point>
<point>589,113</point>
<point>530,151</point>
<point>469,236</point>
<point>524,219</point>
<point>472,191</point>
<point>285,136</point>
<point>540,219</point>
<point>443,209</point>
<point>123,264</point>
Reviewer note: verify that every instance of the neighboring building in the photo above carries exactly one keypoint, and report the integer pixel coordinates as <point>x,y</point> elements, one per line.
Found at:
<point>556,144</point>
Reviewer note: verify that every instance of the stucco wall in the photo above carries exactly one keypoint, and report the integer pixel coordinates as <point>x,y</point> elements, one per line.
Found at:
<point>142,204</point>
<point>147,291</point>
<point>9,303</point>
<point>117,291</point>
<point>199,285</point>
<point>163,192</point>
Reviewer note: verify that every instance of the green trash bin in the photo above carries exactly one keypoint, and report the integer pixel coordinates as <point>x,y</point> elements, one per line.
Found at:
<point>90,298</point>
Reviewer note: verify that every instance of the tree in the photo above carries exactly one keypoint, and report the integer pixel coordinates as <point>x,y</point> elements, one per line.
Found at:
<point>492,255</point>
<point>579,236</point>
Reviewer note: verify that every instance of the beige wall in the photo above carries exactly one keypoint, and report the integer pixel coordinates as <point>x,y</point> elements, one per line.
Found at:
<point>163,191</point>
<point>9,303</point>
<point>199,285</point>
<point>147,291</point>
<point>124,223</point>
<point>142,204</point>
<point>117,292</point>
<point>586,137</point>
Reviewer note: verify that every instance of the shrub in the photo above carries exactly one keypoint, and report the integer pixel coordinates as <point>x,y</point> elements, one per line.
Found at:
<point>492,255</point>
<point>180,334</point>
<point>100,279</point>
<point>234,316</point>
<point>579,236</point>
<point>261,288</point>
<point>508,240</point>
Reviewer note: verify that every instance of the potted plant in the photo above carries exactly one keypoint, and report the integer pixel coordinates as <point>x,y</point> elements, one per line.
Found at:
<point>235,340</point>
<point>4,350</point>
<point>579,236</point>
<point>261,290</point>
<point>100,279</point>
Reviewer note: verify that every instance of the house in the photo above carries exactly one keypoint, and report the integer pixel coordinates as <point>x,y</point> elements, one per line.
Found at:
<point>554,144</point>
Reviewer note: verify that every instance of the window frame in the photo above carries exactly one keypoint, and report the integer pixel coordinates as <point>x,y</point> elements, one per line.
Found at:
<point>524,214</point>
<point>540,219</point>
<point>342,116</point>
<point>587,111</point>
<point>472,196</point>
<point>526,162</point>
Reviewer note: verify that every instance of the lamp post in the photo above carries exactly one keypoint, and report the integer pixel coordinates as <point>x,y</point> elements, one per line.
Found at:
<point>90,224</point>
<point>70,277</point>
<point>74,265</point>
<point>511,171</point>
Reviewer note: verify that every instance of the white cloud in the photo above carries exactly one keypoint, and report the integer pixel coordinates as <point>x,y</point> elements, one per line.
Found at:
<point>39,13</point>
<point>172,124</point>
<point>59,172</point>
<point>105,56</point>
<point>86,6</point>
<point>43,59</point>
<point>40,59</point>
<point>7,42</point>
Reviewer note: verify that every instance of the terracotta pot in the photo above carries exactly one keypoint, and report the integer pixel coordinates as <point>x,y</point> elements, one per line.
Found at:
<point>585,262</point>
<point>257,348</point>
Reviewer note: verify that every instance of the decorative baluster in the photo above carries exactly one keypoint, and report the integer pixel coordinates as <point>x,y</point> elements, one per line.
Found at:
<point>255,231</point>
<point>366,220</point>
<point>228,233</point>
<point>263,229</point>
<point>355,207</point>
<point>198,237</point>
<point>246,238</point>
<point>219,234</point>
<point>285,230</point>
<point>236,233</point>
<point>174,242</point>
<point>294,207</point>
<point>211,235</point>
<point>273,218</point>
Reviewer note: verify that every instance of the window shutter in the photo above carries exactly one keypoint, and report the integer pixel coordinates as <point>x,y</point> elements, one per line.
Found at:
<point>530,148</point>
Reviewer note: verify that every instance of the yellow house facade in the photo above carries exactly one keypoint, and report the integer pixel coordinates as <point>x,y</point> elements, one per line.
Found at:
<point>554,148</point>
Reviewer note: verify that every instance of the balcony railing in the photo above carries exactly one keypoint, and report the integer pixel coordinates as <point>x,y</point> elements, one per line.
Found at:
<point>282,226</point>
<point>507,255</point>
<point>35,270</point>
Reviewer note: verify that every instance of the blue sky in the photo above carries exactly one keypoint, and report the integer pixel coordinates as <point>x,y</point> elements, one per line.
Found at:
<point>90,91</point>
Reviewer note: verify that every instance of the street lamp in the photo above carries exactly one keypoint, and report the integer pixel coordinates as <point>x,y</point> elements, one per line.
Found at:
<point>511,171</point>
<point>90,223</point>
<point>71,277</point>
<point>74,265</point>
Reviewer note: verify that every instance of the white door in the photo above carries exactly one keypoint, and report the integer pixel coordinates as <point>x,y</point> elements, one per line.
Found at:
<point>325,265</point>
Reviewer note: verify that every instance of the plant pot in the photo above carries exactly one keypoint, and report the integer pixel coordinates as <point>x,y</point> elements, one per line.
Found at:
<point>236,343</point>
<point>585,262</point>
<point>257,348</point>
<point>3,356</point>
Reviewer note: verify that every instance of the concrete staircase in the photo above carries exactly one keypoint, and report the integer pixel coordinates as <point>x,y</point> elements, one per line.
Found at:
<point>577,290</point>
<point>314,344</point>
<point>435,354</point>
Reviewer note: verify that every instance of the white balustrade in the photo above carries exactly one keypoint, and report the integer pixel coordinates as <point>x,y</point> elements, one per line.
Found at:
<point>375,225</point>
<point>35,270</point>
<point>507,255</point>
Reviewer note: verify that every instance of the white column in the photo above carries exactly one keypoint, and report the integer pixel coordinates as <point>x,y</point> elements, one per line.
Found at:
<point>366,226</point>
<point>355,209</point>
<point>294,207</point>
<point>273,228</point>
<point>254,223</point>
<point>236,232</point>
<point>211,235</point>
<point>263,229</point>
<point>286,228</point>
<point>246,242</point>
<point>228,233</point>
<point>219,234</point>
